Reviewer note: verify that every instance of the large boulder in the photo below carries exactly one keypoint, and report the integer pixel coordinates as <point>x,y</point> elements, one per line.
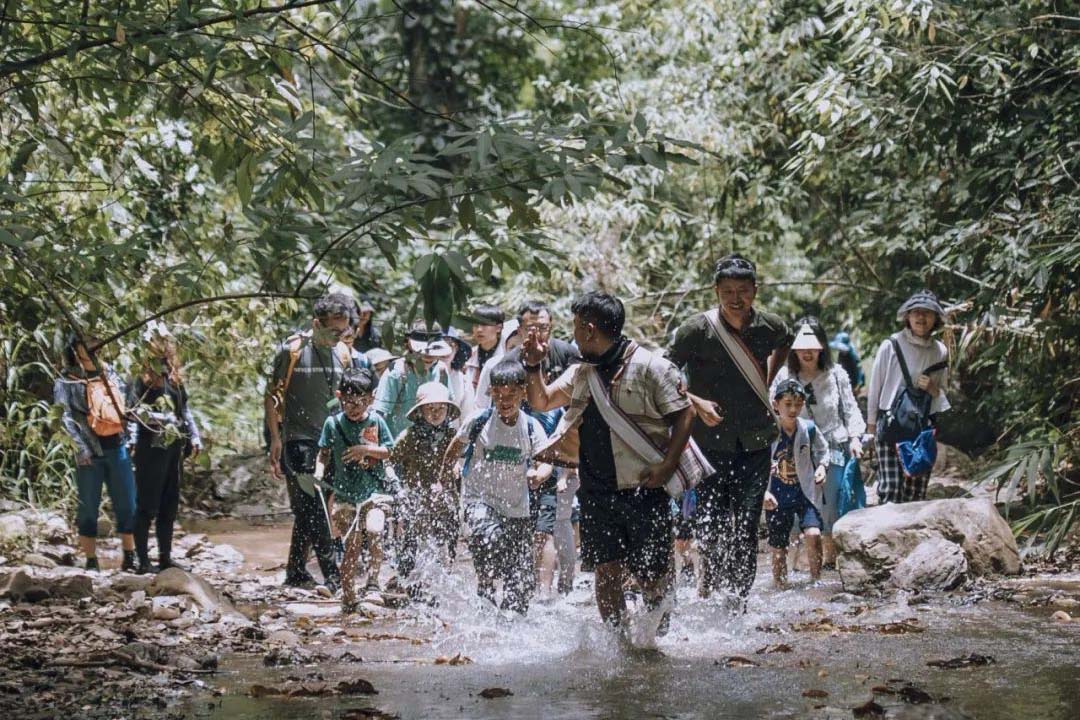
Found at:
<point>175,581</point>
<point>13,530</point>
<point>920,544</point>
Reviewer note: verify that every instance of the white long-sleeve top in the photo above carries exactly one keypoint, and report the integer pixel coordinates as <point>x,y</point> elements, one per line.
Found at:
<point>831,388</point>
<point>886,378</point>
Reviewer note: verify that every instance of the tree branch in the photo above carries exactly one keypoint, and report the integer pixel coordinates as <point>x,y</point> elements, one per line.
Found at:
<point>10,68</point>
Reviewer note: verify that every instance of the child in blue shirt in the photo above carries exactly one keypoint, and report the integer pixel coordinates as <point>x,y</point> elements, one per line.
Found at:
<point>800,457</point>
<point>355,443</point>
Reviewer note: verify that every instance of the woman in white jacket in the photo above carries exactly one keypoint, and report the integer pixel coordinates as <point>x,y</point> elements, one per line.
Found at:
<point>831,405</point>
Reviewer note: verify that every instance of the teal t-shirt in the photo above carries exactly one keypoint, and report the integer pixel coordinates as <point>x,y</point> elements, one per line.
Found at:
<point>353,482</point>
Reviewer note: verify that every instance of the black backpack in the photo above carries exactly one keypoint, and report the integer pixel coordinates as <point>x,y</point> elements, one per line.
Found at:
<point>909,413</point>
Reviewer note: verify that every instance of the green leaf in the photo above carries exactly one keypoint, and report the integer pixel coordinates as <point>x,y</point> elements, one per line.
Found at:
<point>422,266</point>
<point>466,213</point>
<point>243,179</point>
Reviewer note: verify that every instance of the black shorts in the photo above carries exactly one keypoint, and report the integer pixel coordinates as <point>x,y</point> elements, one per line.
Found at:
<point>545,519</point>
<point>684,528</point>
<point>630,526</point>
<point>781,521</point>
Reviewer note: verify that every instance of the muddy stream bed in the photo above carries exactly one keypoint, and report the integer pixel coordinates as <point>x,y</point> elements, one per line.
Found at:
<point>804,652</point>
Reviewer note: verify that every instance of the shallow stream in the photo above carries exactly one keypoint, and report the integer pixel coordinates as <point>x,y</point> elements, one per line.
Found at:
<point>804,652</point>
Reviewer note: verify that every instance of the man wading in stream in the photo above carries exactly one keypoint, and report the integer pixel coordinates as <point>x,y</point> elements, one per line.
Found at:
<point>730,355</point>
<point>300,396</point>
<point>625,518</point>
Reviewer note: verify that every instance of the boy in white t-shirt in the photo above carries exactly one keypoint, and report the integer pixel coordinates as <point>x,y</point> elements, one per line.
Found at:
<point>498,445</point>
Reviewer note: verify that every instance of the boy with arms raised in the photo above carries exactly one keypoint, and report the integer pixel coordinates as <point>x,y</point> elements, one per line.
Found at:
<point>800,457</point>
<point>499,443</point>
<point>355,443</point>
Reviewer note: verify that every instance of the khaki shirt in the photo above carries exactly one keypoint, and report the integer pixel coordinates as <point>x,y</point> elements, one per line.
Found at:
<point>647,388</point>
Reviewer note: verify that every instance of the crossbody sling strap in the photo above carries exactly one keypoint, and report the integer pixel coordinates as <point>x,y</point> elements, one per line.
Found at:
<point>744,360</point>
<point>692,468</point>
<point>904,368</point>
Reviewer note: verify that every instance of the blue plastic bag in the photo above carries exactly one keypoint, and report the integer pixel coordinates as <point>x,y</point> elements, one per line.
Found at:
<point>917,456</point>
<point>852,490</point>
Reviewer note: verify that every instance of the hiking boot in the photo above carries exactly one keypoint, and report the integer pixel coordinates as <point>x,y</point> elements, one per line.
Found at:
<point>144,567</point>
<point>305,582</point>
<point>332,584</point>
<point>166,562</point>
<point>128,565</point>
<point>92,564</point>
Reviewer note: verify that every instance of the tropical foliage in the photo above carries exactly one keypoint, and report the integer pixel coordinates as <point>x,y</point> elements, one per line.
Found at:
<point>424,152</point>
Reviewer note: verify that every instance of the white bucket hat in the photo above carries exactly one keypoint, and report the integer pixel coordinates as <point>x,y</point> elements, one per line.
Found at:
<point>379,355</point>
<point>436,349</point>
<point>434,393</point>
<point>805,339</point>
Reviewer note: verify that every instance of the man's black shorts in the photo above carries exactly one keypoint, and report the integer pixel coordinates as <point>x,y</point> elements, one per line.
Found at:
<point>631,526</point>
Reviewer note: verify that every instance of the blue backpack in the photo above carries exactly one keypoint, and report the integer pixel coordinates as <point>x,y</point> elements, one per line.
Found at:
<point>474,432</point>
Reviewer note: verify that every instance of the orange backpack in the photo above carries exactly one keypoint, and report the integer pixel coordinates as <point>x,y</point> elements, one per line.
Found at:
<point>105,407</point>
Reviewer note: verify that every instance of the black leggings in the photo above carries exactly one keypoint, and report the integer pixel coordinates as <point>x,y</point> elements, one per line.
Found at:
<point>157,496</point>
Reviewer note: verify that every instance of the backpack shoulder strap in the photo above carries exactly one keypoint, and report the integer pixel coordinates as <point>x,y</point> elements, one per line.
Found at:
<point>903,363</point>
<point>344,355</point>
<point>296,345</point>
<point>479,423</point>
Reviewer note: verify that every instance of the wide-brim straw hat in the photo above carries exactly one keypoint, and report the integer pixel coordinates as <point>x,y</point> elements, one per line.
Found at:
<point>805,339</point>
<point>922,300</point>
<point>433,393</point>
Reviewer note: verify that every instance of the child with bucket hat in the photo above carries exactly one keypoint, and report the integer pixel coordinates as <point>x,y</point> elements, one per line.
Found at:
<point>910,361</point>
<point>430,485</point>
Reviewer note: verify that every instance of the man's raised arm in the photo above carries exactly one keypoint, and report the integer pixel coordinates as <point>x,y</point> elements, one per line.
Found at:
<point>541,397</point>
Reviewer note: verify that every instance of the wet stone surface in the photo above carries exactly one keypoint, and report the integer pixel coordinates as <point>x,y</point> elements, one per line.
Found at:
<point>247,648</point>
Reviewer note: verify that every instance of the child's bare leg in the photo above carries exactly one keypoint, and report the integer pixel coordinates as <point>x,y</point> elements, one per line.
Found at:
<point>779,567</point>
<point>354,545</point>
<point>545,562</point>
<point>813,552</point>
<point>828,551</point>
<point>375,553</point>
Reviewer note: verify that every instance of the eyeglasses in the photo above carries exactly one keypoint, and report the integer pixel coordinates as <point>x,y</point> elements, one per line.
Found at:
<point>356,400</point>
<point>538,327</point>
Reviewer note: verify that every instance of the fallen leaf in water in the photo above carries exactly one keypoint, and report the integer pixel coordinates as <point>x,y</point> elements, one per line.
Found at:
<point>815,693</point>
<point>769,649</point>
<point>971,660</point>
<point>260,691</point>
<point>869,709</point>
<point>883,690</point>
<point>492,693</point>
<point>737,661</point>
<point>914,696</point>
<point>911,625</point>
<point>315,689</point>
<point>367,713</point>
<point>458,659</point>
<point>359,686</point>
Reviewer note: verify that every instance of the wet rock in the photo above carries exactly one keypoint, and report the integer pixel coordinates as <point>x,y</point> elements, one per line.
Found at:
<point>71,587</point>
<point>38,560</point>
<point>13,530</point>
<point>104,526</point>
<point>359,686</point>
<point>874,541</point>
<point>128,584</point>
<point>1061,616</point>
<point>174,581</point>
<point>869,709</point>
<point>189,545</point>
<point>284,637</point>
<point>935,564</point>
<point>20,587</point>
<point>494,692</point>
<point>47,526</point>
<point>972,660</point>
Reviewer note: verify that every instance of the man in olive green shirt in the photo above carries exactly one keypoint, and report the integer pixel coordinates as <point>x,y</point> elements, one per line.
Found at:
<point>733,427</point>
